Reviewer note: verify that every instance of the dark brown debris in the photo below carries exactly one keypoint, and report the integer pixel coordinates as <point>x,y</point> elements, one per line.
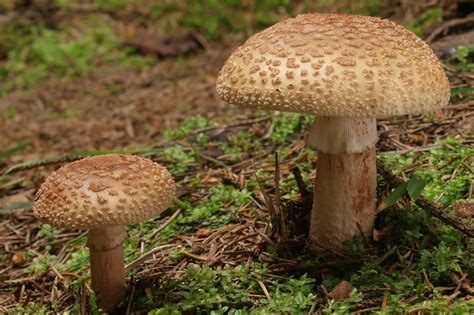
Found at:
<point>465,209</point>
<point>341,290</point>
<point>444,27</point>
<point>150,43</point>
<point>448,45</point>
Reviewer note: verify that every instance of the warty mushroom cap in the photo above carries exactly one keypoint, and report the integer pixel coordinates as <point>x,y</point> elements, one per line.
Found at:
<point>335,65</point>
<point>105,190</point>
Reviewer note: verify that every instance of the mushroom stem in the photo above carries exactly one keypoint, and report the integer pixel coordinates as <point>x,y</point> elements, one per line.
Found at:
<point>107,265</point>
<point>345,185</point>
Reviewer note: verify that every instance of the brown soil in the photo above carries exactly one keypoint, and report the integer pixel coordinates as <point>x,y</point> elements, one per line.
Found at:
<point>113,108</point>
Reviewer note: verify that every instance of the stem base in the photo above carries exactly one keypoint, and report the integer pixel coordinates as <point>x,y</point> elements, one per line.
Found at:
<point>344,198</point>
<point>107,265</point>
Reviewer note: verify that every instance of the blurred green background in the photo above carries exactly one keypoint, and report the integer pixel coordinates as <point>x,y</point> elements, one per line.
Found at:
<point>40,38</point>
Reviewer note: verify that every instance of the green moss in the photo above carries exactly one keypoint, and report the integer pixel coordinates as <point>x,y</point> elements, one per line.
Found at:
<point>208,290</point>
<point>43,53</point>
<point>425,20</point>
<point>464,58</point>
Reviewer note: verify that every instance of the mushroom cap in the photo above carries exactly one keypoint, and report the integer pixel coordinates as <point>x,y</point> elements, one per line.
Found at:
<point>104,190</point>
<point>335,65</point>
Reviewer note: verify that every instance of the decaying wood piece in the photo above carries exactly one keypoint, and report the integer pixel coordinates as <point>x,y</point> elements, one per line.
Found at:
<point>152,44</point>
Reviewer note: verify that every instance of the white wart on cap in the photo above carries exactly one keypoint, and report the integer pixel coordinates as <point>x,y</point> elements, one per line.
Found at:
<point>105,190</point>
<point>335,65</point>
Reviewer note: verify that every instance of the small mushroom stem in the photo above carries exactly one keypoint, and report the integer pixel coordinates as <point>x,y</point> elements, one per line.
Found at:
<point>107,265</point>
<point>345,184</point>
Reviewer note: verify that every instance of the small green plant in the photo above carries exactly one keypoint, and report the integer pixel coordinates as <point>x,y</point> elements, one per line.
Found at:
<point>412,188</point>
<point>215,17</point>
<point>10,113</point>
<point>464,58</point>
<point>48,232</point>
<point>94,307</point>
<point>289,124</point>
<point>344,306</point>
<point>425,20</point>
<point>45,53</point>
<point>205,290</point>
<point>186,127</point>
<point>210,211</point>
<point>180,159</point>
<point>445,183</point>
<point>112,4</point>
<point>15,149</point>
<point>364,7</point>
<point>440,260</point>
<point>78,260</point>
<point>43,263</point>
<point>238,144</point>
<point>463,93</point>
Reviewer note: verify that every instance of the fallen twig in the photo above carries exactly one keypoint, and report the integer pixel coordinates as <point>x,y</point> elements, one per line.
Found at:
<point>161,227</point>
<point>224,127</point>
<point>300,183</point>
<point>264,289</point>
<point>426,205</point>
<point>447,25</point>
<point>143,257</point>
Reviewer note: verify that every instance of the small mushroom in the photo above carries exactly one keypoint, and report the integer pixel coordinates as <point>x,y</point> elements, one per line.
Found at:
<point>102,194</point>
<point>348,70</point>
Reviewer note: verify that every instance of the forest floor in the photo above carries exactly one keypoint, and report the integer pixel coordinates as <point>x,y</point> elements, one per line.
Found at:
<point>219,249</point>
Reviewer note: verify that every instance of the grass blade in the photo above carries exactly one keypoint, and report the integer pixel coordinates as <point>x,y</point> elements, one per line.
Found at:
<point>16,148</point>
<point>393,197</point>
<point>415,187</point>
<point>16,206</point>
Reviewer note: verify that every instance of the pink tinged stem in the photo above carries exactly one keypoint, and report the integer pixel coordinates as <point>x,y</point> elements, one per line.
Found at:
<point>344,198</point>
<point>345,185</point>
<point>107,265</point>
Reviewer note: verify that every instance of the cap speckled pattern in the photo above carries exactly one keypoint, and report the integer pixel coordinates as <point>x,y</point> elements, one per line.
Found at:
<point>335,65</point>
<point>104,190</point>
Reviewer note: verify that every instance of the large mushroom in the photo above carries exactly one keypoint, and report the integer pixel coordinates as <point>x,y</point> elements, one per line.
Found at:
<point>347,70</point>
<point>102,194</point>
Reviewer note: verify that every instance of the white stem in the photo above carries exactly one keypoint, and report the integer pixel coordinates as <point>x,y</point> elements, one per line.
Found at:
<point>336,135</point>
<point>344,193</point>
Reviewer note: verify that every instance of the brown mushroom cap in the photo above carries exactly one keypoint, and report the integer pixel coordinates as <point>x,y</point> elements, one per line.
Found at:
<point>104,190</point>
<point>335,65</point>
